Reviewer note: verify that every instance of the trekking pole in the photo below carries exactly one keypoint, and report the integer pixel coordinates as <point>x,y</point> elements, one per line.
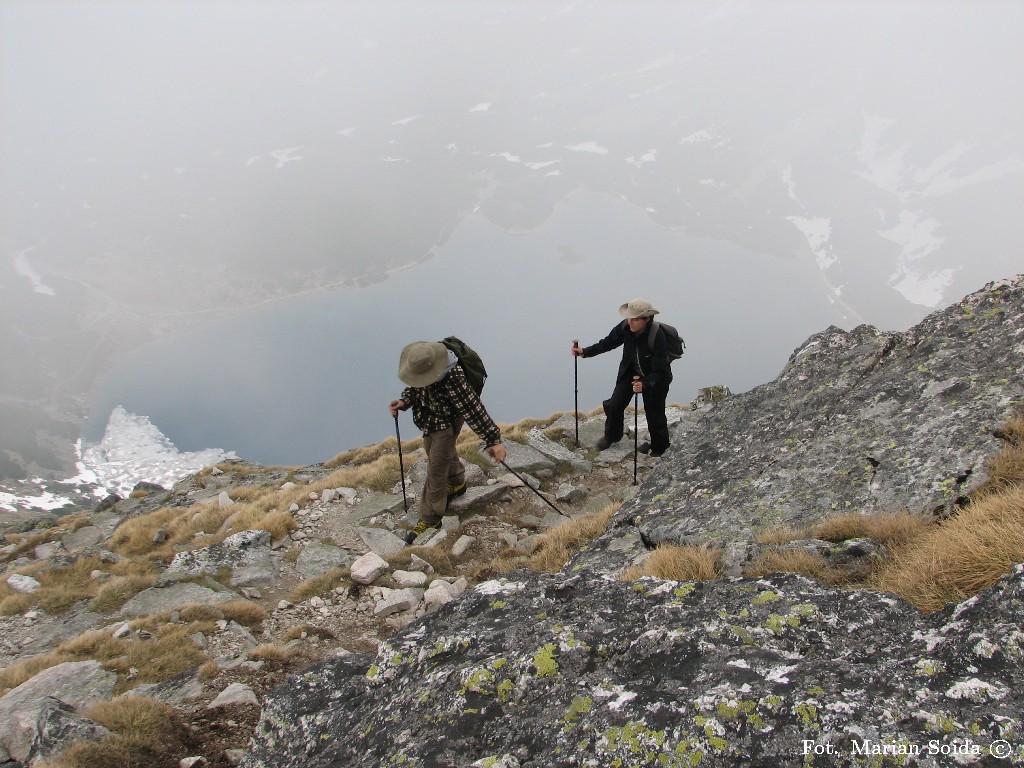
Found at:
<point>636,423</point>
<point>524,482</point>
<point>576,385</point>
<point>401,466</point>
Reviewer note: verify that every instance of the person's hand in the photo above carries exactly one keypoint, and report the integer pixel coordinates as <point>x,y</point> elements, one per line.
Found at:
<point>577,350</point>
<point>395,406</point>
<point>497,452</point>
<point>638,386</point>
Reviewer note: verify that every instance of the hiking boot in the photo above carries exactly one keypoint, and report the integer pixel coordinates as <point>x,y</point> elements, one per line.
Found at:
<point>422,526</point>
<point>454,491</point>
<point>644,447</point>
<point>604,443</point>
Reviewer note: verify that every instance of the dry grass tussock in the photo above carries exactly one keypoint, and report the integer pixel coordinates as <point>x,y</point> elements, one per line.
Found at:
<point>270,653</point>
<point>167,653</point>
<point>929,562</point>
<point>137,537</point>
<point>436,556</point>
<point>521,429</point>
<point>116,592</point>
<point>140,726</point>
<point>971,550</point>
<point>673,562</point>
<point>318,586</point>
<point>359,456</point>
<point>63,588</point>
<point>891,529</point>
<point>1007,467</point>
<point>960,556</point>
<point>555,548</point>
<point>809,564</point>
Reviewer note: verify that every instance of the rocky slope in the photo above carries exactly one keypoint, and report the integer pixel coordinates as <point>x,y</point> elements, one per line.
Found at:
<point>578,669</point>
<point>409,666</point>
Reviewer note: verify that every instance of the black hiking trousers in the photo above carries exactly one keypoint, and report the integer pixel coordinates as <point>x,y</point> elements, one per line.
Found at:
<point>654,407</point>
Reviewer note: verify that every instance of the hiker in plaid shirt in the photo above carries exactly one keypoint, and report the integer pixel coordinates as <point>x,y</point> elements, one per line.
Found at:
<point>442,400</point>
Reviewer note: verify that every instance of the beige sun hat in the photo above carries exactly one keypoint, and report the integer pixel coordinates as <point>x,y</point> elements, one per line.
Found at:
<point>422,363</point>
<point>637,308</point>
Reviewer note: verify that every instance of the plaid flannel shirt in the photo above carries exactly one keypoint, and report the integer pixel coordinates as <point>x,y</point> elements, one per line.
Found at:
<point>438,405</point>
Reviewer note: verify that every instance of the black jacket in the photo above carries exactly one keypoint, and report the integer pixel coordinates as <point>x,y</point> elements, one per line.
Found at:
<point>654,367</point>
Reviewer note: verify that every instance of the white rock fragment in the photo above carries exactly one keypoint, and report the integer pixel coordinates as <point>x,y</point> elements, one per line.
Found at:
<point>22,583</point>
<point>236,693</point>
<point>368,568</point>
<point>463,544</point>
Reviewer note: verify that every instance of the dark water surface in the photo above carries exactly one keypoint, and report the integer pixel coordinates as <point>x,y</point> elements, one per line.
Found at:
<point>298,382</point>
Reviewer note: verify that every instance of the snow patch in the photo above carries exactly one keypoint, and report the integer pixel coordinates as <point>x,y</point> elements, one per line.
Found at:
<point>588,146</point>
<point>648,157</point>
<point>133,450</point>
<point>542,164</point>
<point>697,138</point>
<point>285,156</point>
<point>24,268</point>
<point>44,500</point>
<point>507,156</point>
<point>917,239</point>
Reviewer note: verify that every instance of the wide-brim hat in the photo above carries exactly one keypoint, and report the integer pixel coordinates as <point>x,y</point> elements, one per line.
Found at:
<point>637,308</point>
<point>422,363</point>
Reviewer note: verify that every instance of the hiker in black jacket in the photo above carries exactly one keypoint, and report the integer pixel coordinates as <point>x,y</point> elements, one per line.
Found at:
<point>639,358</point>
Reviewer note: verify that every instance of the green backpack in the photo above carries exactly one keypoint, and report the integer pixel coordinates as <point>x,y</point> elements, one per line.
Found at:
<point>476,373</point>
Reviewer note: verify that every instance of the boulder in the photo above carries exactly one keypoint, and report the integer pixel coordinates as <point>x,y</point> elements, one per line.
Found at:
<point>58,726</point>
<point>523,458</point>
<point>158,599</point>
<point>19,582</point>
<point>368,568</point>
<point>24,709</point>
<point>239,549</point>
<point>477,495</point>
<point>317,558</point>
<point>381,541</point>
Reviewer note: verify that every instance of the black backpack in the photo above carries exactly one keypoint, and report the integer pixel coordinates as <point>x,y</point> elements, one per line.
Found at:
<point>476,373</point>
<point>676,345</point>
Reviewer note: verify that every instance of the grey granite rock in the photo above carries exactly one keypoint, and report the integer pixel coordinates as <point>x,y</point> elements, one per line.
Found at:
<point>587,671</point>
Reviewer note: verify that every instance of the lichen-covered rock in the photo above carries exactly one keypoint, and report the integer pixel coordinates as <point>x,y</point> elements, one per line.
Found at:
<point>235,551</point>
<point>586,671</point>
